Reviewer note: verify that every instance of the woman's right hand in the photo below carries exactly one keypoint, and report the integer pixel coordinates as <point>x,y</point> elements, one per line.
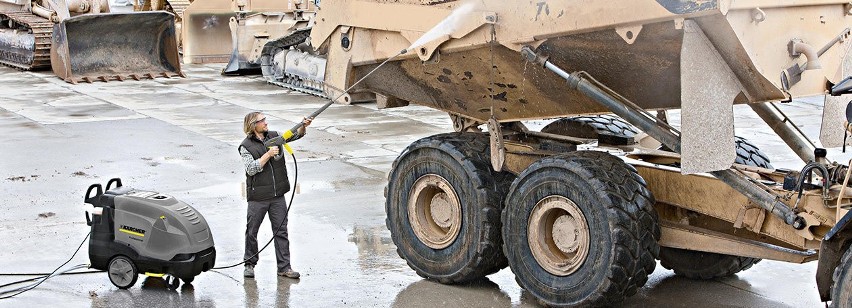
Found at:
<point>273,151</point>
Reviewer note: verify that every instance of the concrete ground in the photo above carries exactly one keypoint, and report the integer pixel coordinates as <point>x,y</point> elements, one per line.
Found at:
<point>179,137</point>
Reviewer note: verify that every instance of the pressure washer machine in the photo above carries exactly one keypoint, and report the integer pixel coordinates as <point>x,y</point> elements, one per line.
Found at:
<point>143,232</point>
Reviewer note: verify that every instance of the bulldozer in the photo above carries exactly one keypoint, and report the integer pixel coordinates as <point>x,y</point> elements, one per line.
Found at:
<point>266,43</point>
<point>255,36</point>
<point>581,210</point>
<point>81,41</point>
<point>208,27</point>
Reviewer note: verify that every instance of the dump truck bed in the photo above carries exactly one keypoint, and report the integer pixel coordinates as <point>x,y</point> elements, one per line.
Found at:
<point>646,49</point>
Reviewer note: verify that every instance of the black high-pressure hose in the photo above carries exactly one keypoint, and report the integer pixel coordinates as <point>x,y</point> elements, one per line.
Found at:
<point>286,135</point>
<point>286,213</point>
<point>46,277</point>
<point>281,140</point>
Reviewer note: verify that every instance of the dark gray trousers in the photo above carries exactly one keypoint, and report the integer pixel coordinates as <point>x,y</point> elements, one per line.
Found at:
<point>277,209</point>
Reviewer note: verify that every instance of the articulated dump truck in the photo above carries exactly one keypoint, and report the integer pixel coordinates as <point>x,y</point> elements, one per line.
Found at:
<point>581,210</point>
<point>81,41</point>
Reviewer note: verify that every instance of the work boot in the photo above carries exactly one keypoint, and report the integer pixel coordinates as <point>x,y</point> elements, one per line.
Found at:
<point>289,274</point>
<point>249,271</point>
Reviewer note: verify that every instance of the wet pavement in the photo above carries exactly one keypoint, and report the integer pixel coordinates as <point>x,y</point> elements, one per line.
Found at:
<point>179,137</point>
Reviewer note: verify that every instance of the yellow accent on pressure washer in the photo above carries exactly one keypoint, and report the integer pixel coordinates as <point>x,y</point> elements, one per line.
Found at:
<point>287,134</point>
<point>131,232</point>
<point>154,274</point>
<point>289,149</point>
<point>163,217</point>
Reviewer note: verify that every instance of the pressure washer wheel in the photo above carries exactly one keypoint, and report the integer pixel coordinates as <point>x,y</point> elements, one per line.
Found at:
<point>122,272</point>
<point>172,282</point>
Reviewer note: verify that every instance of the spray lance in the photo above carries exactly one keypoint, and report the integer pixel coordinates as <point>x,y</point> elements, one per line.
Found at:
<point>281,140</point>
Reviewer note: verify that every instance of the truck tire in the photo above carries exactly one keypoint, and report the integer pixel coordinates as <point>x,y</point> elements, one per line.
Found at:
<point>841,290</point>
<point>580,229</point>
<point>707,265</point>
<point>703,265</point>
<point>443,204</point>
<point>614,129</point>
<point>748,154</point>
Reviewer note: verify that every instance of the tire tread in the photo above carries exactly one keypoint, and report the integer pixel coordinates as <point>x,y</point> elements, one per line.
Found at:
<point>471,150</point>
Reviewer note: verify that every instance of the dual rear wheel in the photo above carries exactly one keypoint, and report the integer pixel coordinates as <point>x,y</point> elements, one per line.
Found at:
<point>581,228</point>
<point>576,229</point>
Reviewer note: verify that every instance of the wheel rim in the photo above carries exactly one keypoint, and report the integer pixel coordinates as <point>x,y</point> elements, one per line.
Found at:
<point>121,271</point>
<point>558,235</point>
<point>434,211</point>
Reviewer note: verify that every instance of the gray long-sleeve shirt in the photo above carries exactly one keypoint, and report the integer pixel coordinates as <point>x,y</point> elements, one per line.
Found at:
<point>251,164</point>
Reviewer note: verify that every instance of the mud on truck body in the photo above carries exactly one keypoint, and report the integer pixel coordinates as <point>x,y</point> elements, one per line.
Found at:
<point>581,210</point>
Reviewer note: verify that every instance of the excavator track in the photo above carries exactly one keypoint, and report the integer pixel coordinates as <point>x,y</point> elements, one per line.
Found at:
<point>294,87</point>
<point>28,46</point>
<point>287,81</point>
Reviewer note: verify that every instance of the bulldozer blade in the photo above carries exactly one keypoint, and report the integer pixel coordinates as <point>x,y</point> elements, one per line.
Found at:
<point>115,46</point>
<point>238,64</point>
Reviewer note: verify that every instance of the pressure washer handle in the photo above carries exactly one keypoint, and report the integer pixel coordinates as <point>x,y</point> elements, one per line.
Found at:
<point>94,200</point>
<point>116,181</point>
<point>280,141</point>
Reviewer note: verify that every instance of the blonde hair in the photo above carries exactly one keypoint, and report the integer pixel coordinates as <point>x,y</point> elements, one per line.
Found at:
<point>250,122</point>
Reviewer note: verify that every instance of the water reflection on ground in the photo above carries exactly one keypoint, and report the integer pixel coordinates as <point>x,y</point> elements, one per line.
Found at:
<point>154,292</point>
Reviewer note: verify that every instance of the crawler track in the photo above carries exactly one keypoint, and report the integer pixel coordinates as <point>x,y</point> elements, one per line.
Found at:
<point>291,82</point>
<point>34,57</point>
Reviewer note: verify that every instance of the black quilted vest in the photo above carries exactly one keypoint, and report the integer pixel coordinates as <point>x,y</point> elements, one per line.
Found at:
<point>272,181</point>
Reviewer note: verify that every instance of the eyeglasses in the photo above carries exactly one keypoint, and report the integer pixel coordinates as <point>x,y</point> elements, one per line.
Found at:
<point>261,120</point>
